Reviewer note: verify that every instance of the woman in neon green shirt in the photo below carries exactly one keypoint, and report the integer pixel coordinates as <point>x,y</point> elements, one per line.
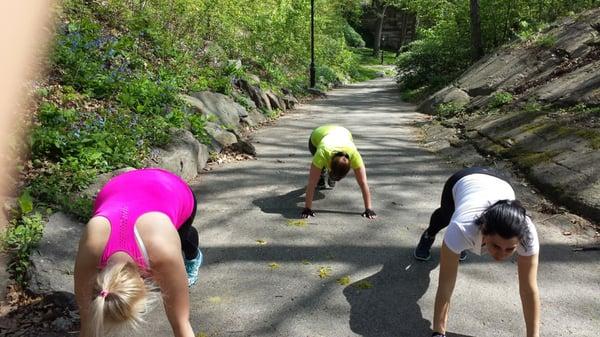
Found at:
<point>334,153</point>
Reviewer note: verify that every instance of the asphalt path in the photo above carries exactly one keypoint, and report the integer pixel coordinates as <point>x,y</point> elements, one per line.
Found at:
<point>272,287</point>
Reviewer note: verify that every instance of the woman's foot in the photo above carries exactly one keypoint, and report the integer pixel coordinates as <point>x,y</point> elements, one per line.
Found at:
<point>192,268</point>
<point>423,250</point>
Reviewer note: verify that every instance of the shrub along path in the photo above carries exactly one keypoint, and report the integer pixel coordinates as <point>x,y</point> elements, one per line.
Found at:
<point>267,274</point>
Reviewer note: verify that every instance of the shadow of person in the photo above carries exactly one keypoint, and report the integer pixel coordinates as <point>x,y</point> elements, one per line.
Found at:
<point>385,304</point>
<point>287,204</point>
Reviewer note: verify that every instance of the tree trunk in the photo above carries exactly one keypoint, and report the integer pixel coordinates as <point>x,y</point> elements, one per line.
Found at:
<point>507,20</point>
<point>476,43</point>
<point>380,12</point>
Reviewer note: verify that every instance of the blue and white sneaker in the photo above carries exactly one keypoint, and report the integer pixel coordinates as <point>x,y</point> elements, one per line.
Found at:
<point>192,268</point>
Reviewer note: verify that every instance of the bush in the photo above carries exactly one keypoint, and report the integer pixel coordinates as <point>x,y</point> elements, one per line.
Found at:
<point>546,41</point>
<point>448,110</point>
<point>22,236</point>
<point>433,61</point>
<point>499,99</point>
<point>197,127</point>
<point>353,39</point>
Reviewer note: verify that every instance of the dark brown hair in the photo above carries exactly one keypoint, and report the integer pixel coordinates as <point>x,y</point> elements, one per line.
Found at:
<point>340,165</point>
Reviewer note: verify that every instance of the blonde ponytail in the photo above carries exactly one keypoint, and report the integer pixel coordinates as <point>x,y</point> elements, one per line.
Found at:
<point>121,298</point>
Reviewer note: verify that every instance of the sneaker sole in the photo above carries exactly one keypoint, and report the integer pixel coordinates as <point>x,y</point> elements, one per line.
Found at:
<point>420,258</point>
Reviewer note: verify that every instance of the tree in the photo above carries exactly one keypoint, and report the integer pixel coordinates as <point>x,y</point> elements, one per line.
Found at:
<point>379,7</point>
<point>476,41</point>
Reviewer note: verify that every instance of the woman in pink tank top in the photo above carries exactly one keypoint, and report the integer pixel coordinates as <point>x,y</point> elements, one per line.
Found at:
<point>141,224</point>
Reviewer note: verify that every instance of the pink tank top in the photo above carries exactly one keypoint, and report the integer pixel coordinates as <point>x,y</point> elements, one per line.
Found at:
<point>129,195</point>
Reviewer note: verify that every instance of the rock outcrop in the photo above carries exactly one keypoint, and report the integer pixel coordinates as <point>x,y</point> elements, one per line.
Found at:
<point>549,124</point>
<point>560,66</point>
<point>54,259</point>
<point>184,155</point>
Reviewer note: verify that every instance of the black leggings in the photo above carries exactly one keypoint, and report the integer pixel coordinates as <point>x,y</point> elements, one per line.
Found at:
<point>311,147</point>
<point>440,218</point>
<point>189,235</point>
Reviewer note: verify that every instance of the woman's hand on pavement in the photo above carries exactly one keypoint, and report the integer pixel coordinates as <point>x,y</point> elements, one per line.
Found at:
<point>307,212</point>
<point>369,213</point>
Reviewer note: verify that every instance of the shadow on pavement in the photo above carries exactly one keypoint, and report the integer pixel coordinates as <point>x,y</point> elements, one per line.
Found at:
<point>385,304</point>
<point>286,204</point>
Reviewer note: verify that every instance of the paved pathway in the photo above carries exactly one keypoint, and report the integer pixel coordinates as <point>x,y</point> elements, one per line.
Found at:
<point>240,294</point>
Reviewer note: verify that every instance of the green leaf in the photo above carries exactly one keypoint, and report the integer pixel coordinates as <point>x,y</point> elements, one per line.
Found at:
<point>324,272</point>
<point>345,280</point>
<point>297,223</point>
<point>26,202</point>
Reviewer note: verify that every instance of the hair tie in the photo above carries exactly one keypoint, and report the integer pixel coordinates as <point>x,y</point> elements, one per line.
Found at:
<point>104,293</point>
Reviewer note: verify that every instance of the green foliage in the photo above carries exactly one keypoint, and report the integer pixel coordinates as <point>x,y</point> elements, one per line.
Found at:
<point>415,95</point>
<point>22,236</point>
<point>197,126</point>
<point>436,59</point>
<point>448,110</point>
<point>499,99</point>
<point>353,39</point>
<point>546,41</point>
<point>532,106</point>
<point>442,50</point>
<point>362,73</point>
<point>365,57</point>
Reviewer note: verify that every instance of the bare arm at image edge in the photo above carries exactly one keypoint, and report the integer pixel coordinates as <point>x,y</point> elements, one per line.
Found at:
<point>447,280</point>
<point>22,33</point>
<point>528,289</point>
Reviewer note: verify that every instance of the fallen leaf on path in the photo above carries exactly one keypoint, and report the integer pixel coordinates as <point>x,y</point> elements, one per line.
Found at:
<point>273,265</point>
<point>324,272</point>
<point>364,284</point>
<point>297,223</point>
<point>343,281</point>
<point>261,242</point>
<point>215,299</point>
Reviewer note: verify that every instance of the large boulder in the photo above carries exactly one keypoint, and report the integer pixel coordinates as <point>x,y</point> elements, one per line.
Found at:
<point>224,107</point>
<point>184,155</point>
<point>243,100</point>
<point>503,69</point>
<point>92,190</point>
<point>221,137</point>
<point>259,97</point>
<point>290,101</point>
<point>254,118</point>
<point>579,86</point>
<point>275,101</point>
<point>446,95</point>
<point>54,259</point>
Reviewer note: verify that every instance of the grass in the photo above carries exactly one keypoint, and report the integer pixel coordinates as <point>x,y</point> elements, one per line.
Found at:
<point>591,135</point>
<point>365,56</point>
<point>546,41</point>
<point>531,159</point>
